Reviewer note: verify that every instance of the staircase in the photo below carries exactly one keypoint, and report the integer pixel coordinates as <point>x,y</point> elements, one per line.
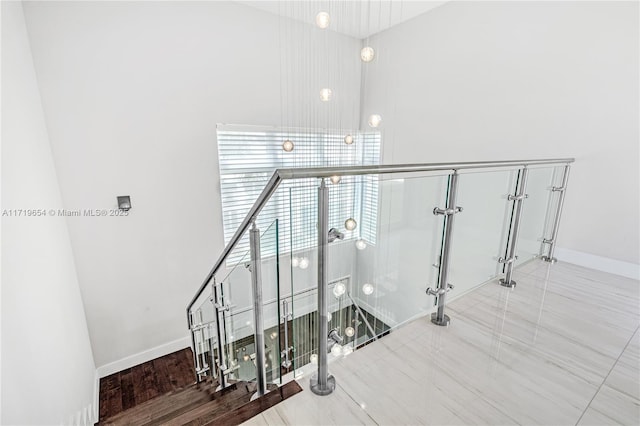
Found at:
<point>199,404</point>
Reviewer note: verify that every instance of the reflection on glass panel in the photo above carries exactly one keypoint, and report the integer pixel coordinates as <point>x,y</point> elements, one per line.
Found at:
<point>391,275</point>
<point>481,230</point>
<point>270,259</point>
<point>378,277</point>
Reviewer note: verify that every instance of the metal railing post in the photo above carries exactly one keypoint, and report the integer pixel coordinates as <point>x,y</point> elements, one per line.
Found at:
<point>201,365</point>
<point>193,345</point>
<point>439,317</point>
<point>322,383</point>
<point>518,199</point>
<point>285,317</point>
<point>556,222</point>
<point>212,356</point>
<point>256,287</point>
<point>219,307</point>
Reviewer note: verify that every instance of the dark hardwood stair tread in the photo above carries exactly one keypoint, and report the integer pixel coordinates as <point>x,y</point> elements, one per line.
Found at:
<point>146,411</point>
<point>200,404</point>
<point>207,411</point>
<point>255,407</point>
<point>218,396</point>
<point>162,419</point>
<point>159,406</point>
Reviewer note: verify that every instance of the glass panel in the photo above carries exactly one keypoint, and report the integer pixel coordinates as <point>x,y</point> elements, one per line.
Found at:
<point>205,311</point>
<point>377,279</point>
<point>301,280</point>
<point>481,230</point>
<point>238,321</point>
<point>534,213</point>
<point>239,317</point>
<point>205,334</point>
<point>304,329</point>
<point>269,253</point>
<point>200,345</point>
<point>391,274</point>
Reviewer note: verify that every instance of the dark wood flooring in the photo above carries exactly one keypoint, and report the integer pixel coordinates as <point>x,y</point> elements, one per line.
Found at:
<point>164,392</point>
<point>133,386</point>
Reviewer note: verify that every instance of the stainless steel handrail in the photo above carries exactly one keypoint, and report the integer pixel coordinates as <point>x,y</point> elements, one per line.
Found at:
<point>322,172</point>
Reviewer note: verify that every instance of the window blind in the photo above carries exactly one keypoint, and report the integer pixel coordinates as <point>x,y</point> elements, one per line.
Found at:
<point>249,155</point>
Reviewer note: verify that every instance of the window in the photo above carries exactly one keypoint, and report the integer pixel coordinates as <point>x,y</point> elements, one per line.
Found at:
<point>248,157</point>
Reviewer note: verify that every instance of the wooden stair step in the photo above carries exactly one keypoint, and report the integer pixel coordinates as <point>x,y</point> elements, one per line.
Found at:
<point>164,418</point>
<point>163,405</point>
<point>255,407</point>
<point>200,404</point>
<point>142,413</point>
<point>229,399</point>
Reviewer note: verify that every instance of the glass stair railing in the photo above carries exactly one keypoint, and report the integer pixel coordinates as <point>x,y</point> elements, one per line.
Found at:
<point>330,259</point>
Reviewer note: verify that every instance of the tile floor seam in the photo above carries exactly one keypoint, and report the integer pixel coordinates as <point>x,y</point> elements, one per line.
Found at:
<point>607,376</point>
<point>357,404</point>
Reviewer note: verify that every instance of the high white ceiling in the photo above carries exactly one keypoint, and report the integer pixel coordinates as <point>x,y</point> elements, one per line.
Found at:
<point>356,18</point>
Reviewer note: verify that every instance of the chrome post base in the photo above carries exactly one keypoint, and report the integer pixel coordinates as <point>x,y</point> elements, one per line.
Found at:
<point>444,322</point>
<point>315,386</point>
<point>549,259</point>
<point>256,396</point>
<point>504,283</point>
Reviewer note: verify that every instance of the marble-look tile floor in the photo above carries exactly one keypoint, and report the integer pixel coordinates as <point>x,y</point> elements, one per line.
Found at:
<point>562,348</point>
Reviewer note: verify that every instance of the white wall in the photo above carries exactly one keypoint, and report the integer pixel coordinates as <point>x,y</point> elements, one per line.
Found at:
<point>47,364</point>
<point>510,80</point>
<point>132,93</point>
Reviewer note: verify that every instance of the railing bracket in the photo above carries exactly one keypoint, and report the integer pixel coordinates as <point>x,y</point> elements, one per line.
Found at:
<point>201,371</point>
<point>446,212</point>
<point>439,291</point>
<point>517,197</point>
<point>198,327</point>
<point>222,307</point>
<point>507,261</point>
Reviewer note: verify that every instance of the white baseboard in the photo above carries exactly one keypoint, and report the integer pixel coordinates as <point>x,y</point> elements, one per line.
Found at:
<point>605,264</point>
<point>88,415</point>
<point>144,356</point>
<point>95,412</point>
